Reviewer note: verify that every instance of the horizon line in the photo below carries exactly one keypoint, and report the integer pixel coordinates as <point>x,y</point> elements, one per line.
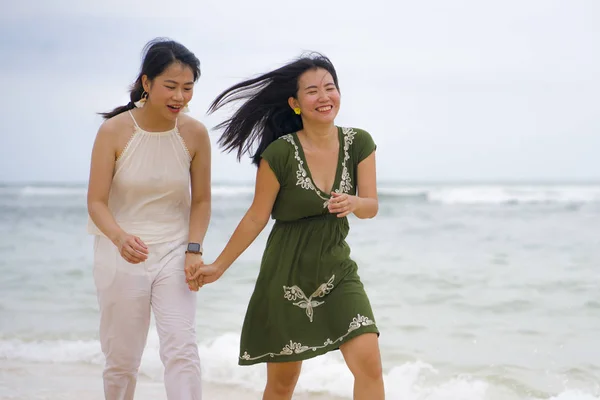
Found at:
<point>464,181</point>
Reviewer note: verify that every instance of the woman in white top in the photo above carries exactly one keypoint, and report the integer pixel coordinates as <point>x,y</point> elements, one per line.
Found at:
<point>149,207</point>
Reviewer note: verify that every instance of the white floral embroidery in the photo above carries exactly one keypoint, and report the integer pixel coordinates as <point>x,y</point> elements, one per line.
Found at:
<point>293,293</point>
<point>346,181</point>
<point>359,321</point>
<point>304,180</point>
<point>298,348</point>
<point>292,348</point>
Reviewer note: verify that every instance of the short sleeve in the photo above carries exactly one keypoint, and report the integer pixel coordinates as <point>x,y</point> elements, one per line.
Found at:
<point>277,155</point>
<point>363,145</point>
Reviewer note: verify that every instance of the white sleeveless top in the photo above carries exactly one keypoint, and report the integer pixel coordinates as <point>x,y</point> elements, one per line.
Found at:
<point>150,192</point>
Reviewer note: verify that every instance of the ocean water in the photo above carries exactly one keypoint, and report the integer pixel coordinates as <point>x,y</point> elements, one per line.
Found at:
<point>481,291</point>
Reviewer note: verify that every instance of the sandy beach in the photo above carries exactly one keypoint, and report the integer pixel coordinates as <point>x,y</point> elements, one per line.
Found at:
<point>31,381</point>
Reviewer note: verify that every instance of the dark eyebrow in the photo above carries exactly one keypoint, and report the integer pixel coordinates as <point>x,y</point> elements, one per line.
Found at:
<point>315,86</point>
<point>175,83</point>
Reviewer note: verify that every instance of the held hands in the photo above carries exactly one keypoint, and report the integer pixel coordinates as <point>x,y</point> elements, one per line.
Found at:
<point>342,204</point>
<point>131,248</point>
<point>192,263</point>
<point>204,274</point>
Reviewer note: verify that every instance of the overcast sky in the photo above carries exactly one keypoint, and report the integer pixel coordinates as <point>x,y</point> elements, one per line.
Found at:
<point>450,90</point>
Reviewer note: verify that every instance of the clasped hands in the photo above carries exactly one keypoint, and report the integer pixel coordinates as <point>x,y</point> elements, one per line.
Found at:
<point>197,274</point>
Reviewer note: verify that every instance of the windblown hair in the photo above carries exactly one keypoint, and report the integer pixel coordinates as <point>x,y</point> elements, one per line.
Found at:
<point>265,114</point>
<point>158,55</point>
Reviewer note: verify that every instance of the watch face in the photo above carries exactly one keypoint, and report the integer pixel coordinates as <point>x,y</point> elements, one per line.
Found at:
<point>194,247</point>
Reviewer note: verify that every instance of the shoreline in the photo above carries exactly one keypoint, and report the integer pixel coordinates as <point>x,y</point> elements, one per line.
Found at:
<point>62,381</point>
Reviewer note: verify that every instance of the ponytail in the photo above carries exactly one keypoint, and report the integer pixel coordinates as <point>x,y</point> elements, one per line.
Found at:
<point>135,94</point>
<point>159,54</point>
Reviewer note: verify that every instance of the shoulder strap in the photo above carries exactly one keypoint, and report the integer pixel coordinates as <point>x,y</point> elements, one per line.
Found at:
<point>134,121</point>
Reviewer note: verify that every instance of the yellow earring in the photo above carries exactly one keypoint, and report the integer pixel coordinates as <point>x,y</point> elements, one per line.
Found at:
<point>297,110</point>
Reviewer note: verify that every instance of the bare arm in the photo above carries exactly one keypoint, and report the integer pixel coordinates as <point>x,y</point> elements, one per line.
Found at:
<point>366,203</point>
<point>200,175</point>
<point>102,168</point>
<point>101,174</point>
<point>200,171</point>
<point>255,219</point>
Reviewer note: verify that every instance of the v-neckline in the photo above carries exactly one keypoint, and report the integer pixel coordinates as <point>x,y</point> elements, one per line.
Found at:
<point>337,168</point>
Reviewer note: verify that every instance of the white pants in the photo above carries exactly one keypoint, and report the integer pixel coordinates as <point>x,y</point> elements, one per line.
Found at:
<point>126,293</point>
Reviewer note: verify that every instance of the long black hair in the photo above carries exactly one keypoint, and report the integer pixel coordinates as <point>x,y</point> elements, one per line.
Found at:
<point>265,114</point>
<point>158,55</point>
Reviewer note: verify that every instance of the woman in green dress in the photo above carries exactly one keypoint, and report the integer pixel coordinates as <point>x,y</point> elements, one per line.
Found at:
<point>308,299</point>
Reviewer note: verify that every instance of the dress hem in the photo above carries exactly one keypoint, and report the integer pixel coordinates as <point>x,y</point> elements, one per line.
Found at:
<point>308,354</point>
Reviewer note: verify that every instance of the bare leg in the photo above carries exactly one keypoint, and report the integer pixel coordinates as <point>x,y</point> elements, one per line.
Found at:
<point>364,361</point>
<point>281,380</point>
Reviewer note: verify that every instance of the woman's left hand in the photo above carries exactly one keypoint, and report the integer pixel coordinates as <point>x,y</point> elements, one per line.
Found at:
<point>342,204</point>
<point>192,263</point>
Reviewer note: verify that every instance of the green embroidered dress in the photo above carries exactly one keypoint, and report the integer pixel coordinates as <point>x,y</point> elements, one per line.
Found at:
<point>308,299</point>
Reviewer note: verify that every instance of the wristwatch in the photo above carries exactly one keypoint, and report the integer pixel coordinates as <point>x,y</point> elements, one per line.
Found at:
<point>194,248</point>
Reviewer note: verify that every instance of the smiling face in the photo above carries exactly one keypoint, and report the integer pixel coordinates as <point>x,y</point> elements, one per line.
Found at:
<point>318,97</point>
<point>170,91</point>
